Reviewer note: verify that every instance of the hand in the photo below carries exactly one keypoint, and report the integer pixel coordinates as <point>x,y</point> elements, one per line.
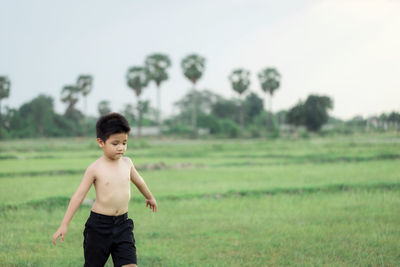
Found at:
<point>61,231</point>
<point>152,203</point>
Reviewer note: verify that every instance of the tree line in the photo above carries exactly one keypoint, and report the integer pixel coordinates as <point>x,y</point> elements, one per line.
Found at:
<point>242,116</point>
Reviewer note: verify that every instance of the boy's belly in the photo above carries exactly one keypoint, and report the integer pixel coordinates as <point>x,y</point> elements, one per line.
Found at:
<point>112,203</point>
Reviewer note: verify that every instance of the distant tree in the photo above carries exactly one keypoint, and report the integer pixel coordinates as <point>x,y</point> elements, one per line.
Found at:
<point>38,118</point>
<point>316,111</point>
<point>69,95</point>
<point>383,121</point>
<point>12,122</point>
<point>313,113</point>
<point>394,119</point>
<point>281,117</point>
<point>356,123</point>
<point>193,67</point>
<point>128,113</point>
<point>42,113</point>
<point>205,100</point>
<point>270,80</point>
<point>85,84</point>
<point>104,107</point>
<point>357,120</point>
<point>157,65</point>
<point>215,113</point>
<point>35,118</point>
<point>137,78</point>
<point>226,109</point>
<point>253,106</point>
<point>240,82</point>
<point>5,85</point>
<point>296,115</point>
<point>143,107</point>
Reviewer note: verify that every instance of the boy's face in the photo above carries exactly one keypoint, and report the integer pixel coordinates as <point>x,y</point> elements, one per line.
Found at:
<point>115,146</point>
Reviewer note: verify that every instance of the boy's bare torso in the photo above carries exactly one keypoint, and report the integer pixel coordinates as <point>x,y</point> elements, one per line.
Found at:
<point>112,184</point>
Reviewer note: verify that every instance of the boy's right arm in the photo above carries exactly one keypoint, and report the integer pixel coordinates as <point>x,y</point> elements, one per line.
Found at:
<point>75,202</point>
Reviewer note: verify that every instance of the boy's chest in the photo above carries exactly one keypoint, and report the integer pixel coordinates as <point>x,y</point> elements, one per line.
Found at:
<point>113,177</point>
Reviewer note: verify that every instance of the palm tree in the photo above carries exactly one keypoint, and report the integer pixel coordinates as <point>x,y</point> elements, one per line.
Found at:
<point>193,68</point>
<point>5,85</point>
<point>270,80</point>
<point>143,108</point>
<point>85,84</point>
<point>137,78</point>
<point>157,65</point>
<point>128,113</point>
<point>69,95</point>
<point>104,107</point>
<point>240,81</point>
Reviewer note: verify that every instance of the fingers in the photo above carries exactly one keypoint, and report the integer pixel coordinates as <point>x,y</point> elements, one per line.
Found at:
<point>55,237</point>
<point>154,207</point>
<point>151,205</point>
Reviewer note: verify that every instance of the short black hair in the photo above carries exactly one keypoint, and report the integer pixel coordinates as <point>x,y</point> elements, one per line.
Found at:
<point>111,123</point>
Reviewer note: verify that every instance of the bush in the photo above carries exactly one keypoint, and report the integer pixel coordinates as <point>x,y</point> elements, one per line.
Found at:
<point>261,119</point>
<point>229,128</point>
<point>180,129</point>
<point>303,133</point>
<point>274,133</point>
<point>255,131</point>
<point>210,122</point>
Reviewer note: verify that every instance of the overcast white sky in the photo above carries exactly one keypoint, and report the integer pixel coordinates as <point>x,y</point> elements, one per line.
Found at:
<point>346,49</point>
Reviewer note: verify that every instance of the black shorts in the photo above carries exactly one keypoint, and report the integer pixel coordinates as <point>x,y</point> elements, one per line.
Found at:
<point>105,235</point>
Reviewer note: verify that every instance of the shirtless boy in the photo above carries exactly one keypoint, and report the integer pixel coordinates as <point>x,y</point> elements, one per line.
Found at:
<point>108,229</point>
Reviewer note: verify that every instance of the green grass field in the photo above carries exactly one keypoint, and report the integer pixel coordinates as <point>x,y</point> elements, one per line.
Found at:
<point>316,202</point>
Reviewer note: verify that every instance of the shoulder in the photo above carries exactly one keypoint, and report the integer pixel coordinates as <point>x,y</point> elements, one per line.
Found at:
<point>90,173</point>
<point>127,160</point>
<point>93,166</point>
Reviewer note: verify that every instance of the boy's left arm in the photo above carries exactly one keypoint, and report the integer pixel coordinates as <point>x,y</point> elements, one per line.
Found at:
<point>141,185</point>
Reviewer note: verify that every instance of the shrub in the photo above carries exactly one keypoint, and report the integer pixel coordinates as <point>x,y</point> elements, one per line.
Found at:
<point>229,128</point>
<point>255,131</point>
<point>180,129</point>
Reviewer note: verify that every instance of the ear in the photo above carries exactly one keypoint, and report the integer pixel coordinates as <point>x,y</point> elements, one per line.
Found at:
<point>100,142</point>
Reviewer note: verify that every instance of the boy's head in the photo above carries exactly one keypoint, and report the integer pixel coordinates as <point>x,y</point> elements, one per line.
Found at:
<point>112,123</point>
